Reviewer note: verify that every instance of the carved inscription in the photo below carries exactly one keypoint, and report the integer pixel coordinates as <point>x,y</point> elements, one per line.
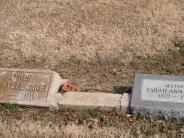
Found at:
<point>163,90</point>
<point>24,86</point>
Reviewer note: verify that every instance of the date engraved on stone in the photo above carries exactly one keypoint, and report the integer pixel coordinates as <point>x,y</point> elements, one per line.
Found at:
<point>162,90</point>
<point>30,96</point>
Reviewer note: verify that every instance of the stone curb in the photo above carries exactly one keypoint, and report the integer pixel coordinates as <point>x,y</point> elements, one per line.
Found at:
<point>42,88</point>
<point>87,100</point>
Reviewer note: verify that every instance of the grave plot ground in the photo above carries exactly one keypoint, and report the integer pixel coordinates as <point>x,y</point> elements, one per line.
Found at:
<point>33,122</point>
<point>98,44</point>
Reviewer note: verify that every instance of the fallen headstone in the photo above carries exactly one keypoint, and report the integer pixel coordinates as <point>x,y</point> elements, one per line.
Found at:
<point>30,87</point>
<point>159,96</point>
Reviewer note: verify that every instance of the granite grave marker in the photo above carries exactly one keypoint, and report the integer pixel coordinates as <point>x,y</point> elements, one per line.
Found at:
<point>158,96</point>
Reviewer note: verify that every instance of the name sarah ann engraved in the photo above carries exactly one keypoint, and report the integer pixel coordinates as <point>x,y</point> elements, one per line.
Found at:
<point>169,88</point>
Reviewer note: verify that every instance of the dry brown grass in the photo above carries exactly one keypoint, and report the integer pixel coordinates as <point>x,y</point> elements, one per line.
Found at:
<point>57,30</point>
<point>88,41</point>
<point>97,43</point>
<point>32,129</point>
<point>39,123</point>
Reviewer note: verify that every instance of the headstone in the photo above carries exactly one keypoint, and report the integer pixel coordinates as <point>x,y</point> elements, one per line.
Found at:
<point>158,96</point>
<point>29,87</point>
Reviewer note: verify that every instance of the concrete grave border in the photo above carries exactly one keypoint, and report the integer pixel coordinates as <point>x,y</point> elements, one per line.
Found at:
<point>54,99</point>
<point>90,100</point>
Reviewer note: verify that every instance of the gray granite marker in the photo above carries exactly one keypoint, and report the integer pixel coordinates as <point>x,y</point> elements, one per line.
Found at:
<point>158,96</point>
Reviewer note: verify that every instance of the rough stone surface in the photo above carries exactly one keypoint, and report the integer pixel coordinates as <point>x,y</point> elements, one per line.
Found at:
<point>94,100</point>
<point>125,102</point>
<point>29,87</point>
<point>160,96</point>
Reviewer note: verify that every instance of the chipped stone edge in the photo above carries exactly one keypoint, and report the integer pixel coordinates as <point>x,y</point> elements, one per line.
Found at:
<point>53,94</point>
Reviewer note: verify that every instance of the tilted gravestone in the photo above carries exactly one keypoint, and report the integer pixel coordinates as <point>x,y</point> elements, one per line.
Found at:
<point>158,96</point>
<point>29,87</point>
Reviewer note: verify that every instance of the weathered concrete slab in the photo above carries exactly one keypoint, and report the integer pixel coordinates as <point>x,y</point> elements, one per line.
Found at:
<point>158,96</point>
<point>90,100</point>
<point>29,87</point>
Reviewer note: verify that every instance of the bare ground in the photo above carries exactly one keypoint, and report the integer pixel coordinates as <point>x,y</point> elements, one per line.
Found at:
<point>98,44</point>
